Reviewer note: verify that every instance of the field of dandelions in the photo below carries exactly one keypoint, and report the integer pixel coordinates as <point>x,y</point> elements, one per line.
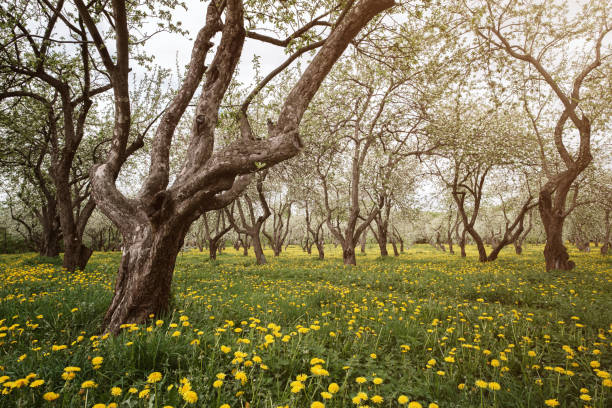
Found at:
<point>426,329</point>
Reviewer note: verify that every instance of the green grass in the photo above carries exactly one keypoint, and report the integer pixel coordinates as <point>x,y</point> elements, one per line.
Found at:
<point>360,321</point>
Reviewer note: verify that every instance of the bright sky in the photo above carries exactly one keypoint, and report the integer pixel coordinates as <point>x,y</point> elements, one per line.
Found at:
<point>170,48</point>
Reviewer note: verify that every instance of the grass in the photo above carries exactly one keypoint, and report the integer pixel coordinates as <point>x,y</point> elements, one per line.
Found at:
<point>425,327</point>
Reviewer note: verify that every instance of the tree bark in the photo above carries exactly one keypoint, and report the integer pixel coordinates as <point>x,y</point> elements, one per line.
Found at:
<point>555,253</point>
<point>145,274</point>
<point>154,223</point>
<point>348,254</point>
<point>321,249</point>
<point>605,245</point>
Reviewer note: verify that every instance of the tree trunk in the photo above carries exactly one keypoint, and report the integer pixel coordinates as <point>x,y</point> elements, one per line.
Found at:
<point>212,249</point>
<point>382,242</point>
<point>259,255</point>
<point>348,254</point>
<point>321,249</point>
<point>363,243</point>
<point>518,248</point>
<point>462,244</point>
<point>450,244</point>
<point>395,253</point>
<point>50,245</point>
<point>145,275</point>
<point>76,255</point>
<point>555,253</point>
<point>605,245</point>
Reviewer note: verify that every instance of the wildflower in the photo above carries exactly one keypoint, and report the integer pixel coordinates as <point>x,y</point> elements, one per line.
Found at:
<point>241,375</point>
<point>326,395</point>
<point>37,383</point>
<point>361,380</point>
<point>415,404</point>
<point>89,384</point>
<point>431,362</point>
<point>133,390</point>
<point>226,349</point>
<point>461,386</point>
<point>218,383</point>
<point>301,377</point>
<point>377,399</point>
<point>551,402</point>
<point>531,353</point>
<point>317,404</point>
<point>154,377</point>
<point>493,386</point>
<point>190,396</point>
<point>116,391</point>
<point>481,384</point>
<point>433,405</point>
<point>50,396</point>
<point>99,406</point>
<point>144,393</point>
<point>585,397</point>
<point>377,381</point>
<point>96,361</point>
<point>333,388</point>
<point>402,399</point>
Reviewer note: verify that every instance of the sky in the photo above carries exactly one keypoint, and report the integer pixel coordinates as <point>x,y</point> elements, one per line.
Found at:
<point>169,49</point>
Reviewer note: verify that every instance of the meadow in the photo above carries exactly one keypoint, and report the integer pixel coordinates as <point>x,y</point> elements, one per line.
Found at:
<point>426,329</point>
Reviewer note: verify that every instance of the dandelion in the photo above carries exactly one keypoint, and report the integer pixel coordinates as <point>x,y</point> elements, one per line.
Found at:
<point>190,396</point>
<point>493,386</point>
<point>218,383</point>
<point>89,384</point>
<point>377,381</point>
<point>154,377</point>
<point>116,391</point>
<point>50,396</point>
<point>414,404</point>
<point>361,380</point>
<point>551,402</point>
<point>481,384</point>
<point>326,395</point>
<point>402,399</point>
<point>333,388</point>
<point>317,404</point>
<point>96,361</point>
<point>37,383</point>
<point>377,399</point>
<point>144,393</point>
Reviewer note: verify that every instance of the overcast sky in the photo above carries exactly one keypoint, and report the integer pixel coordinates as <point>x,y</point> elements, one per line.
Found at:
<point>170,48</point>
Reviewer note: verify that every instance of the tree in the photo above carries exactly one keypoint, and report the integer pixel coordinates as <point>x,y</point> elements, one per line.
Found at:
<point>38,64</point>
<point>537,43</point>
<point>24,157</point>
<point>154,223</point>
<point>251,226</point>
